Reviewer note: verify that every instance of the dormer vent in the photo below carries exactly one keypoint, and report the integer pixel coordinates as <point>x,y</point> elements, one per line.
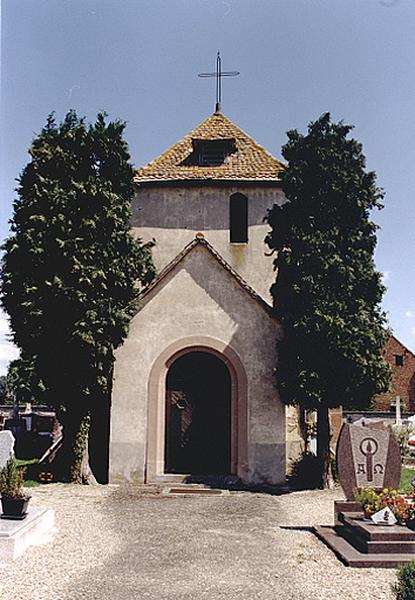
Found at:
<point>210,153</point>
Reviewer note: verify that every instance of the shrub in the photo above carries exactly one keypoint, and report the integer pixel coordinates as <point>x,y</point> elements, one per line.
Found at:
<point>11,480</point>
<point>405,587</point>
<point>305,472</point>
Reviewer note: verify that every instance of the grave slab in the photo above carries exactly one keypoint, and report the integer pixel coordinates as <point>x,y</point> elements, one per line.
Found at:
<point>188,491</point>
<point>17,536</point>
<point>352,557</point>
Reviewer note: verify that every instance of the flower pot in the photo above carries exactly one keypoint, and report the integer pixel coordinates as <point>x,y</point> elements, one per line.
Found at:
<point>14,508</point>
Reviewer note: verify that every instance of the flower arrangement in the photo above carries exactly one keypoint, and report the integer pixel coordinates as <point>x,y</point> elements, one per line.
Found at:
<point>403,507</point>
<point>368,499</point>
<point>45,476</point>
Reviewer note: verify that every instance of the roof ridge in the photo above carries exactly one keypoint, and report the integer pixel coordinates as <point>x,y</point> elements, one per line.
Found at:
<point>199,239</point>
<point>176,143</point>
<point>402,344</point>
<point>251,139</point>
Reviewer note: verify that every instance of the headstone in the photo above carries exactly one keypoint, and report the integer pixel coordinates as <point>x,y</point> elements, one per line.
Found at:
<point>367,458</point>
<point>6,446</point>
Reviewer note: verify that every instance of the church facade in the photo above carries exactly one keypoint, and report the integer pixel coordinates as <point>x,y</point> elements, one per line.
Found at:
<point>193,390</point>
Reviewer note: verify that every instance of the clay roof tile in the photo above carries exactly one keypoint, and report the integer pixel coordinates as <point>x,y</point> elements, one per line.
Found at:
<point>249,161</point>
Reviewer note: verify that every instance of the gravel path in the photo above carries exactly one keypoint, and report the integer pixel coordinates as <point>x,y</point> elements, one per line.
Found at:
<point>123,543</point>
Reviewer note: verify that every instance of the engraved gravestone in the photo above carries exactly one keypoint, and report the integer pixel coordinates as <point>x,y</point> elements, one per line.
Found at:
<point>367,458</point>
<point>6,446</point>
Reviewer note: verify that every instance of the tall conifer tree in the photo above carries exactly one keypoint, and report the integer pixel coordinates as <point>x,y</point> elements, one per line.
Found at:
<point>327,293</point>
<point>71,269</point>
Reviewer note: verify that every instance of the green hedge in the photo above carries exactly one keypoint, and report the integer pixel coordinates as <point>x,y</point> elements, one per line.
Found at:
<point>405,588</point>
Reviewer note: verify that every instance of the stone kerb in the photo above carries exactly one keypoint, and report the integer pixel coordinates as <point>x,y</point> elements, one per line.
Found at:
<point>18,536</point>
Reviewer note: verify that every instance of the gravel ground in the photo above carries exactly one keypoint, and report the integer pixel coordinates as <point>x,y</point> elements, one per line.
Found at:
<point>123,543</point>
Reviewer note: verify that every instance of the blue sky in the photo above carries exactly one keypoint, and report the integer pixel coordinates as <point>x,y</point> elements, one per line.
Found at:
<point>138,60</point>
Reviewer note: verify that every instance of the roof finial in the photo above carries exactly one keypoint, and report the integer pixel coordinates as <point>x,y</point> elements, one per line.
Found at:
<point>219,74</point>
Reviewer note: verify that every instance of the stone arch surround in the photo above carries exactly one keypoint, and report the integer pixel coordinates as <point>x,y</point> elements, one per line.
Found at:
<point>156,404</point>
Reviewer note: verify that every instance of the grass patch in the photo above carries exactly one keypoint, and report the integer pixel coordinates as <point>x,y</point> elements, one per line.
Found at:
<point>407,475</point>
<point>24,462</point>
<point>30,483</point>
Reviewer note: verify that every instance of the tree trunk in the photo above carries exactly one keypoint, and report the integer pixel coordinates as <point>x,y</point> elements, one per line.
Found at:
<point>323,446</point>
<point>73,462</point>
<point>303,427</point>
<point>98,440</point>
<point>86,475</point>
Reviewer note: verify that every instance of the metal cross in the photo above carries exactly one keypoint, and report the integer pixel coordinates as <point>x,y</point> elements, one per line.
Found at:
<point>219,74</point>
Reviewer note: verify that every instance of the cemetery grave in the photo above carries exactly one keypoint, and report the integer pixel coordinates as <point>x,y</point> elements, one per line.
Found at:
<point>369,459</point>
<point>16,535</point>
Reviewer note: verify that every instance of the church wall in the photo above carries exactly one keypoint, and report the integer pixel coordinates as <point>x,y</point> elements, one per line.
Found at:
<point>172,216</point>
<point>198,298</point>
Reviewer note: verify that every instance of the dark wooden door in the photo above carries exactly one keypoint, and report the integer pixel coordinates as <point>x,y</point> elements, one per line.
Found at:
<point>198,416</point>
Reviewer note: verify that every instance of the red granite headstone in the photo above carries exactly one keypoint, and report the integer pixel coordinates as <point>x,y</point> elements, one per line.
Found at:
<point>367,458</point>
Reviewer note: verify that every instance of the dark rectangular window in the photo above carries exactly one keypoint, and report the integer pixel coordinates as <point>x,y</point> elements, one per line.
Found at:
<point>210,153</point>
<point>398,360</point>
<point>238,219</point>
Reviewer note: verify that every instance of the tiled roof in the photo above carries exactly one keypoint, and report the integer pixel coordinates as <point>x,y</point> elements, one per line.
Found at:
<point>202,241</point>
<point>249,162</point>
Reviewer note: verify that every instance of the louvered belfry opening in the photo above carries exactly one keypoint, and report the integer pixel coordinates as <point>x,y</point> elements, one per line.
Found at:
<point>238,219</point>
<point>210,153</point>
<point>213,153</point>
<point>198,416</point>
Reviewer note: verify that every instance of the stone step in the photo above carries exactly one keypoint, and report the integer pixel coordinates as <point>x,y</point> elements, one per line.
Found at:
<point>351,557</point>
<point>376,533</point>
<point>376,547</point>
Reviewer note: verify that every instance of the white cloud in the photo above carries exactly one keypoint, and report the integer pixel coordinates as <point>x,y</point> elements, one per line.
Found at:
<point>4,323</point>
<point>4,367</point>
<point>385,276</point>
<point>409,314</point>
<point>8,351</point>
<point>413,330</point>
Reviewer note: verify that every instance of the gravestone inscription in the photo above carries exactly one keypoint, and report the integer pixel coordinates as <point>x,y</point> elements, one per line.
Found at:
<point>6,446</point>
<point>367,458</point>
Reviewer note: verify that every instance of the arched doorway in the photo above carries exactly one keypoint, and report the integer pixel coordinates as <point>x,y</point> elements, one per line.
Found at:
<point>156,421</point>
<point>198,415</point>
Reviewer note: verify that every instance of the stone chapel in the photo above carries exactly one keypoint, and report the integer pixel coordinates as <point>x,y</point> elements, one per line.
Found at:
<point>193,390</point>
